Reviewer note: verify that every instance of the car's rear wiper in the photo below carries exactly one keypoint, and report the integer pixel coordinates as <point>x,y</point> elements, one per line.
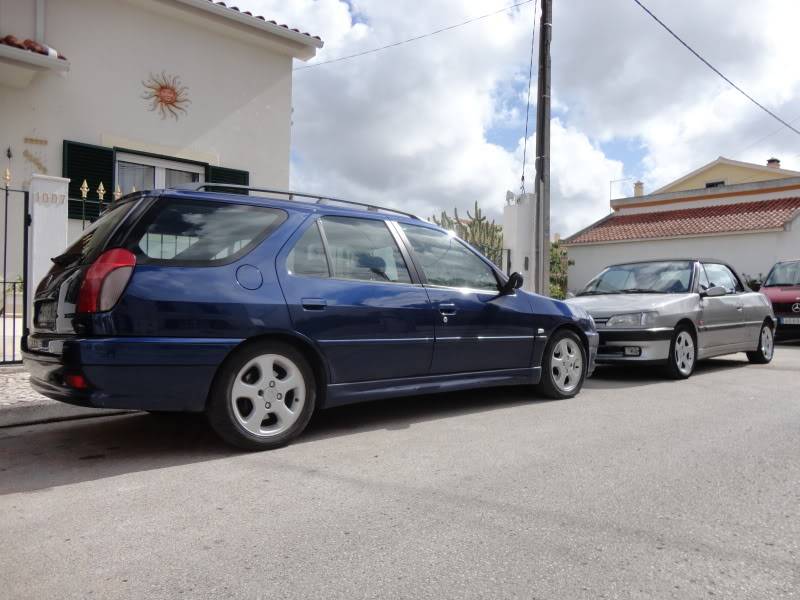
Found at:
<point>67,258</point>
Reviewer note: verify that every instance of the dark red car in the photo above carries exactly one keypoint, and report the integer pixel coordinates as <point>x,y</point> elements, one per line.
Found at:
<point>782,287</point>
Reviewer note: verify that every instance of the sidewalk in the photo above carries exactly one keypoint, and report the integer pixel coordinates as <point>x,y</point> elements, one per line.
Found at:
<point>20,405</point>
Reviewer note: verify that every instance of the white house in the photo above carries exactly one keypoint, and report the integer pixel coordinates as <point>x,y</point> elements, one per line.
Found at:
<point>145,93</point>
<point>743,213</point>
<point>135,94</point>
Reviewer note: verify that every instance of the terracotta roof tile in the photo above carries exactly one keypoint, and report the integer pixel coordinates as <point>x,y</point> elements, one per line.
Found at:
<point>728,218</point>
<point>15,42</point>
<point>247,12</point>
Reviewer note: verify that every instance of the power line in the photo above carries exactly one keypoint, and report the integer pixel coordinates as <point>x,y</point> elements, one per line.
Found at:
<point>769,135</point>
<point>413,39</point>
<point>528,105</point>
<point>713,68</point>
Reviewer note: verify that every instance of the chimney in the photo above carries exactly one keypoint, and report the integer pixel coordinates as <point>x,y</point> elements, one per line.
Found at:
<point>638,189</point>
<point>773,162</point>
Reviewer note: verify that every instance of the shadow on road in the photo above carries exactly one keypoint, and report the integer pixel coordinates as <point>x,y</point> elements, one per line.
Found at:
<point>44,456</point>
<point>621,377</point>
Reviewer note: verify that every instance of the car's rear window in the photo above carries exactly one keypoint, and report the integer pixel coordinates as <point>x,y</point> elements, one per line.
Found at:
<point>199,232</point>
<point>93,239</point>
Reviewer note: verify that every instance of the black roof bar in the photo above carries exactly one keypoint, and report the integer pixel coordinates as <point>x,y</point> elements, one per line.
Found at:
<point>292,195</point>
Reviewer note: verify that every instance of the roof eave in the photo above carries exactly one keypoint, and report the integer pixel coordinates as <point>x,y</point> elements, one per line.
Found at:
<point>678,237</point>
<point>308,42</point>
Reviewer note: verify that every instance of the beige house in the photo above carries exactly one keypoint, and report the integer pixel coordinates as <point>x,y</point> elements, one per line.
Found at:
<point>746,214</point>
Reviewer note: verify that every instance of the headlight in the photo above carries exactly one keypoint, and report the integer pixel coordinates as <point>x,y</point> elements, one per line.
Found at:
<point>640,319</point>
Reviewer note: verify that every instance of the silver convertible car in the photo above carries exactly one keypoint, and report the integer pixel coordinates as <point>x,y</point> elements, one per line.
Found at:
<point>675,312</point>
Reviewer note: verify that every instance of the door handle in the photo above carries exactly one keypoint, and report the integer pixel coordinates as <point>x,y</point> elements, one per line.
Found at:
<point>313,303</point>
<point>447,308</point>
<point>740,308</point>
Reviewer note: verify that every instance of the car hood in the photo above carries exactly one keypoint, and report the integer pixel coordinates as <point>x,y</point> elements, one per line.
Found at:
<point>614,304</point>
<point>787,294</point>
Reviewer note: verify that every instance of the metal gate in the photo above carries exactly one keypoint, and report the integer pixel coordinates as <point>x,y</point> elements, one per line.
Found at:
<point>14,303</point>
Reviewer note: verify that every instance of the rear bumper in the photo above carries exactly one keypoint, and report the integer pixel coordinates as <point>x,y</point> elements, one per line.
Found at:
<point>169,374</point>
<point>653,345</point>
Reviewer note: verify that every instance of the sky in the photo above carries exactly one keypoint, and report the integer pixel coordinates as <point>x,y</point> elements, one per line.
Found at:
<point>439,123</point>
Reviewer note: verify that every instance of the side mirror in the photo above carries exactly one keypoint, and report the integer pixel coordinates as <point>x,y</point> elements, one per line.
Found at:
<point>514,282</point>
<point>714,292</point>
<point>570,295</point>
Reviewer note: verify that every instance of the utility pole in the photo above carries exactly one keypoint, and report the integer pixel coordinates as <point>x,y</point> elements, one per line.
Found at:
<point>542,186</point>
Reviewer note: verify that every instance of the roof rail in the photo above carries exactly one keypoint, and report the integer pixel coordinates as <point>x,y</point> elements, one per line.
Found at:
<point>292,195</point>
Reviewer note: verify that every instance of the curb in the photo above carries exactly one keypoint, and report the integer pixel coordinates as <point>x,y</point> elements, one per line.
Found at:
<point>37,413</point>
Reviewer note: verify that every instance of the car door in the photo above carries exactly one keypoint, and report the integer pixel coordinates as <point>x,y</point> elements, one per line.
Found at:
<point>722,316</point>
<point>349,288</point>
<point>476,329</point>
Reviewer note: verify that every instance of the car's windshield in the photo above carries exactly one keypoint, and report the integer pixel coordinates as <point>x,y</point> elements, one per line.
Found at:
<point>658,277</point>
<point>787,273</point>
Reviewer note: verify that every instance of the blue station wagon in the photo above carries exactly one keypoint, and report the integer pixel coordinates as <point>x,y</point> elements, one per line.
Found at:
<point>259,309</point>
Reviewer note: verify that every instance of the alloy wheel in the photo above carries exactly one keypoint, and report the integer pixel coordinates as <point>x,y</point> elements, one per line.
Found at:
<point>566,365</point>
<point>684,353</point>
<point>268,395</point>
<point>767,342</point>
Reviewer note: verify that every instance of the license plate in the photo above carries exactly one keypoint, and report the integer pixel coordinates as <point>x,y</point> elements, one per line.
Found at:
<point>789,321</point>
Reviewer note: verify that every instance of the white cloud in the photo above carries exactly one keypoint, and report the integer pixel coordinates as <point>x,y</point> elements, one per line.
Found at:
<point>409,126</point>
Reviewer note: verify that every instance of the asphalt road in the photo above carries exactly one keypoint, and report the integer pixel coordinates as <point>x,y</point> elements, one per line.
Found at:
<point>638,488</point>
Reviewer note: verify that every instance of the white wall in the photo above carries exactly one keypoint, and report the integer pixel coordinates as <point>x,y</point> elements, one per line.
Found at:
<point>240,111</point>
<point>518,237</point>
<point>751,253</point>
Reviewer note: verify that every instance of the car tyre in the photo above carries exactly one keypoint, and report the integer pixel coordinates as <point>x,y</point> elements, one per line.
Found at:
<point>564,366</point>
<point>263,396</point>
<point>766,346</point>
<point>682,353</point>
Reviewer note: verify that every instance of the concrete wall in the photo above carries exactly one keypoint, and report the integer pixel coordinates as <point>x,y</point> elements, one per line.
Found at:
<point>752,253</point>
<point>518,238</point>
<point>240,111</point>
<point>239,86</point>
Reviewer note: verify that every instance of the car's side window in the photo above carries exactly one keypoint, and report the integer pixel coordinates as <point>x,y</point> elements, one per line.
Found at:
<point>448,262</point>
<point>721,275</point>
<point>363,249</point>
<point>308,255</point>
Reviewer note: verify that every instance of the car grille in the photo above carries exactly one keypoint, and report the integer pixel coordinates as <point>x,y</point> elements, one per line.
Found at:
<point>44,315</point>
<point>784,308</point>
<point>601,321</point>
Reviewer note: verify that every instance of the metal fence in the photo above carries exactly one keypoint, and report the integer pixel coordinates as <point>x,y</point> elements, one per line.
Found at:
<point>14,301</point>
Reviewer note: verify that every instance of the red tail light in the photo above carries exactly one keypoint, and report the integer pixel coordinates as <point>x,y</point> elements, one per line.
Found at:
<point>105,280</point>
<point>77,382</point>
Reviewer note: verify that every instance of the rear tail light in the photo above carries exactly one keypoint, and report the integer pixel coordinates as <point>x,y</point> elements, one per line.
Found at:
<point>105,280</point>
<point>77,382</point>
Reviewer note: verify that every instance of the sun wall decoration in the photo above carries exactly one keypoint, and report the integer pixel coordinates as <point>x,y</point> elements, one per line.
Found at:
<point>166,94</point>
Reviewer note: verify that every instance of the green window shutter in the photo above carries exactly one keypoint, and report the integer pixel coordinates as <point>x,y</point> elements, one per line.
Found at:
<point>225,175</point>
<point>95,164</point>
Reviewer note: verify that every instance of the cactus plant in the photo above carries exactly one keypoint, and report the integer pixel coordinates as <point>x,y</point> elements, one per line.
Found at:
<point>476,229</point>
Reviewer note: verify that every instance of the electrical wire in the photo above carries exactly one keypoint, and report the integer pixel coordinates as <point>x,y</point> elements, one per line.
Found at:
<point>713,68</point>
<point>769,135</point>
<point>528,105</point>
<point>413,39</point>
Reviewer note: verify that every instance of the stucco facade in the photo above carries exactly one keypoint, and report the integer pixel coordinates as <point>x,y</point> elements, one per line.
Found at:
<point>752,254</point>
<point>750,222</point>
<point>237,71</point>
